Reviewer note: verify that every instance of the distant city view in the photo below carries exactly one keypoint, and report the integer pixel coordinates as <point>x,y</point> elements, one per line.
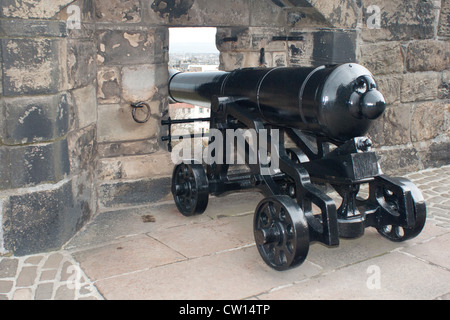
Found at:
<point>192,50</point>
<point>193,47</point>
<point>194,62</point>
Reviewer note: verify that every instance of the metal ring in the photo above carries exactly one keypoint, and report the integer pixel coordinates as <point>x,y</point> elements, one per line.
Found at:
<point>140,105</point>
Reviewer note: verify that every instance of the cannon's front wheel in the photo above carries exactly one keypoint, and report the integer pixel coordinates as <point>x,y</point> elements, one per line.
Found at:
<point>281,232</point>
<point>190,189</point>
<point>390,200</point>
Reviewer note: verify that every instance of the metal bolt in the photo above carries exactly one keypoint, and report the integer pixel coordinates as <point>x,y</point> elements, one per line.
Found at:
<point>364,144</point>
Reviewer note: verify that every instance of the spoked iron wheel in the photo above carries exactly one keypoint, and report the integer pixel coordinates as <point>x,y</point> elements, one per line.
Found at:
<point>190,189</point>
<point>281,232</point>
<point>398,233</point>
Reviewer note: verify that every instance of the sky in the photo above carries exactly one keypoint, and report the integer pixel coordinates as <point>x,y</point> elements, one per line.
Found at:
<point>194,40</point>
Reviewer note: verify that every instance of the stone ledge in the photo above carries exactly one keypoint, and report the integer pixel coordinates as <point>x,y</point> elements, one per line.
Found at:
<point>31,28</point>
<point>133,193</point>
<point>156,165</point>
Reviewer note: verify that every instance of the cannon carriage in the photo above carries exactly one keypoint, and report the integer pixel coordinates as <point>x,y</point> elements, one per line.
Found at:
<point>309,125</point>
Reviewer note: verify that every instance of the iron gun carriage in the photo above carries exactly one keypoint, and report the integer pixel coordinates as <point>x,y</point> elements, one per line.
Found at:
<point>309,125</point>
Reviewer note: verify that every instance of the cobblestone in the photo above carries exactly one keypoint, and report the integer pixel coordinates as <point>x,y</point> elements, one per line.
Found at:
<point>120,257</point>
<point>435,187</point>
<point>52,276</point>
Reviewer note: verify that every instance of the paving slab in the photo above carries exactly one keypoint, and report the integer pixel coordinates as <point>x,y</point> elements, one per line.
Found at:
<point>400,277</point>
<point>129,255</point>
<point>202,239</point>
<point>236,274</point>
<point>435,251</point>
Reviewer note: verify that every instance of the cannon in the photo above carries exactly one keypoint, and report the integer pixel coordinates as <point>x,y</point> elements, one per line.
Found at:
<point>314,164</point>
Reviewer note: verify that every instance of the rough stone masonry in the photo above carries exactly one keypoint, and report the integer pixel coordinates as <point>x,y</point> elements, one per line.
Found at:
<point>70,70</point>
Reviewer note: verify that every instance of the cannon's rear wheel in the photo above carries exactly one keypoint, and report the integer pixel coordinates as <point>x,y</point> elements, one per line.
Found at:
<point>190,189</point>
<point>281,232</point>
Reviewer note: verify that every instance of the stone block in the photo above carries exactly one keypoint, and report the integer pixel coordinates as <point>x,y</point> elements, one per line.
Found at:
<point>128,11</point>
<point>382,58</point>
<point>1,73</point>
<point>338,13</point>
<point>44,220</point>
<point>139,83</point>
<point>136,192</point>
<point>376,133</point>
<point>32,66</point>
<point>419,86</point>
<point>236,12</point>
<point>266,15</point>
<point>301,53</point>
<point>428,55</point>
<point>399,161</point>
<point>399,20</point>
<point>428,120</point>
<point>267,38</point>
<point>35,164</point>
<point>5,174</point>
<point>389,86</point>
<point>117,47</point>
<point>115,123</point>
<point>36,119</point>
<point>81,69</point>
<point>127,148</point>
<point>444,87</point>
<point>32,28</point>
<point>26,9</point>
<point>231,60</point>
<point>85,100</point>
<point>199,12</point>
<point>233,39</point>
<point>436,154</point>
<point>169,11</point>
<point>306,18</point>
<point>279,59</point>
<point>81,145</point>
<point>334,47</point>
<point>108,85</point>
<point>156,165</point>
<point>444,20</point>
<point>397,121</point>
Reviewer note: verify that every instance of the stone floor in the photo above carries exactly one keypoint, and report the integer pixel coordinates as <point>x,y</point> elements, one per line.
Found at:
<point>155,253</point>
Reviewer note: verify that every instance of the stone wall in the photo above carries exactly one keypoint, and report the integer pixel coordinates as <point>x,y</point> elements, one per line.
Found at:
<point>410,57</point>
<point>408,53</point>
<point>70,149</point>
<point>48,126</point>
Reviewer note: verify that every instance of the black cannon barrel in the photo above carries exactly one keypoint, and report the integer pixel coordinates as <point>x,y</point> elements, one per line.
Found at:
<point>338,101</point>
